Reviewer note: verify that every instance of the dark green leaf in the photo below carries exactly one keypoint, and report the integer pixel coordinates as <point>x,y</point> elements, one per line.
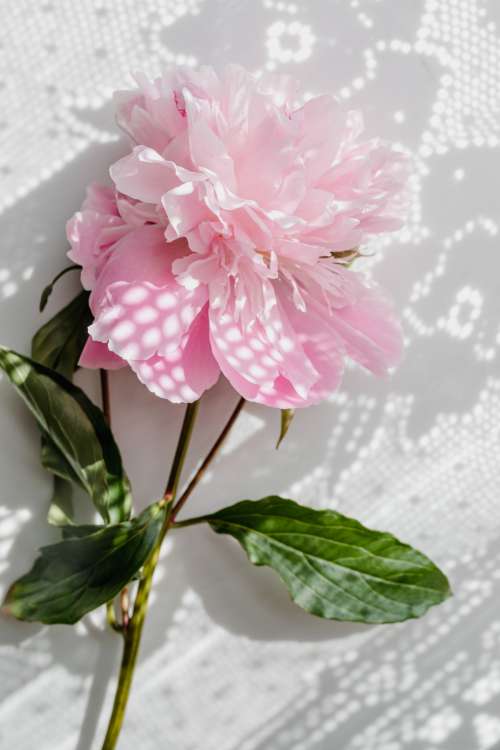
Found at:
<point>71,531</point>
<point>333,566</point>
<point>79,431</point>
<point>61,504</point>
<point>44,298</point>
<point>286,419</point>
<point>59,343</point>
<point>79,574</point>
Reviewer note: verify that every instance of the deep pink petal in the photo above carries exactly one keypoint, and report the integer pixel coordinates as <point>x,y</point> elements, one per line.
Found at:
<point>140,319</point>
<point>186,372</point>
<point>96,355</point>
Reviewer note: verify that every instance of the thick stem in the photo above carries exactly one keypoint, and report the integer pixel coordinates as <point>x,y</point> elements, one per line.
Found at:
<point>132,634</point>
<point>208,459</point>
<point>130,652</point>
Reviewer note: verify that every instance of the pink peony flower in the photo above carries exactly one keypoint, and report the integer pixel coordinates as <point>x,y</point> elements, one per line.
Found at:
<point>216,251</point>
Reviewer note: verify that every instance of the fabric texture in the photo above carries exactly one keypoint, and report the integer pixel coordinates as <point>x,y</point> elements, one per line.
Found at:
<point>228,663</point>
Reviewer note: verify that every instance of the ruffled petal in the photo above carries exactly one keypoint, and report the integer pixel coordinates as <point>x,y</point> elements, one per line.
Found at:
<point>186,372</point>
<point>142,255</point>
<point>257,358</point>
<point>370,330</point>
<point>144,175</point>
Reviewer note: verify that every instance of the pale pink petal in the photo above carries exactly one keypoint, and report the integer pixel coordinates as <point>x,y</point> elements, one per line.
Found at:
<point>185,209</point>
<point>238,197</point>
<point>142,255</point>
<point>207,150</point>
<point>260,354</point>
<point>100,198</point>
<point>370,331</point>
<point>144,175</point>
<point>324,122</point>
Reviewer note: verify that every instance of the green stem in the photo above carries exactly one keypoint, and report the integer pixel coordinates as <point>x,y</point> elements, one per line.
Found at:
<point>132,635</point>
<point>208,459</point>
<point>181,450</point>
<point>189,522</point>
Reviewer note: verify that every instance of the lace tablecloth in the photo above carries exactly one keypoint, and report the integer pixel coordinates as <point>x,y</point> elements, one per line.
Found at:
<point>228,662</point>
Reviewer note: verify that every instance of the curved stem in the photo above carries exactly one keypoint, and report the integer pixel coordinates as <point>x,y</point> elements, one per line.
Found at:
<point>50,287</point>
<point>204,465</point>
<point>132,634</point>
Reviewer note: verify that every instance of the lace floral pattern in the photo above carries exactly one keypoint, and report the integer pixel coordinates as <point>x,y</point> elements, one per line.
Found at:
<point>415,453</point>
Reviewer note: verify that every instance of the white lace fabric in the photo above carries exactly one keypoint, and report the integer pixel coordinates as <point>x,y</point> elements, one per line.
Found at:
<point>228,663</point>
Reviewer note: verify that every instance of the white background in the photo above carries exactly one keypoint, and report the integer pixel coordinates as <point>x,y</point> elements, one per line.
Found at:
<point>228,663</point>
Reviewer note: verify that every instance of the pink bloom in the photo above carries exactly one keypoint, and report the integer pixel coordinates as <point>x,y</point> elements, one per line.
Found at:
<point>214,252</point>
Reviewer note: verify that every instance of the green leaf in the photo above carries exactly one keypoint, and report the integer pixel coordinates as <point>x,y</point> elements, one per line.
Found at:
<point>286,419</point>
<point>59,343</point>
<point>44,298</point>
<point>79,574</point>
<point>333,566</point>
<point>79,431</point>
<point>70,531</point>
<point>61,504</point>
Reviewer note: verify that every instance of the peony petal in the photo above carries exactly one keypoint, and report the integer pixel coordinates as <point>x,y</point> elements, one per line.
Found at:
<point>143,175</point>
<point>142,255</point>
<point>140,319</point>
<point>254,358</point>
<point>324,122</point>
<point>96,355</point>
<point>371,332</point>
<point>185,373</point>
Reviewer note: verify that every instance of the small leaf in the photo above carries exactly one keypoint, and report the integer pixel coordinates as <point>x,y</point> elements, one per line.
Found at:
<point>347,257</point>
<point>44,298</point>
<point>333,566</point>
<point>79,574</point>
<point>286,419</point>
<point>78,429</point>
<point>59,343</point>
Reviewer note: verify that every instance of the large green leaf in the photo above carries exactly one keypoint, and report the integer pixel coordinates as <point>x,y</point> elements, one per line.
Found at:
<point>79,431</point>
<point>79,574</point>
<point>59,343</point>
<point>333,566</point>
